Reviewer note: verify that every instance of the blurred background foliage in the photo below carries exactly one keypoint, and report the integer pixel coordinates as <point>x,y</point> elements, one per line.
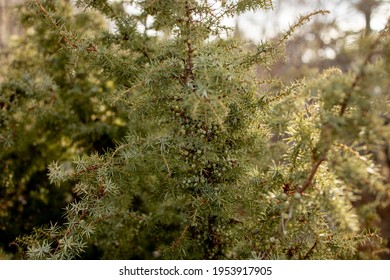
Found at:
<point>339,40</point>
<point>49,112</point>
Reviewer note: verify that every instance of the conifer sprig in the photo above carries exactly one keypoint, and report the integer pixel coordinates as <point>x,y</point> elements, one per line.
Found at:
<point>69,38</point>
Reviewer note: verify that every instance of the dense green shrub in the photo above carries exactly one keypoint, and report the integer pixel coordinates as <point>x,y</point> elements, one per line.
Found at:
<point>217,163</point>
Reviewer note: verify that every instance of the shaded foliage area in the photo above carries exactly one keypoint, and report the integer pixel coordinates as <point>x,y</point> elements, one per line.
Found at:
<point>49,111</point>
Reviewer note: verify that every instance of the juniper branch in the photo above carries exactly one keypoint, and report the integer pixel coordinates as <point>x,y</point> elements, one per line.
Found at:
<point>328,129</point>
<point>362,73</point>
<point>301,21</point>
<point>71,41</point>
<point>189,67</point>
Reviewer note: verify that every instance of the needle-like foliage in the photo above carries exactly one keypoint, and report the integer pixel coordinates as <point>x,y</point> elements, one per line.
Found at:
<point>218,163</point>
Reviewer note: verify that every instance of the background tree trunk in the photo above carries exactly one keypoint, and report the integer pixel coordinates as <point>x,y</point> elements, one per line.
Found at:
<point>7,21</point>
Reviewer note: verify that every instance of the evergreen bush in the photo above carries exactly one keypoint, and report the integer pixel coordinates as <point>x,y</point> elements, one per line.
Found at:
<point>216,162</point>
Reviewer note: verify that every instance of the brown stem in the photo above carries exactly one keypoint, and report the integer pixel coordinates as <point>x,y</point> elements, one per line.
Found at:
<point>313,172</point>
<point>189,67</point>
<point>181,237</point>
<point>362,73</point>
<point>310,251</point>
